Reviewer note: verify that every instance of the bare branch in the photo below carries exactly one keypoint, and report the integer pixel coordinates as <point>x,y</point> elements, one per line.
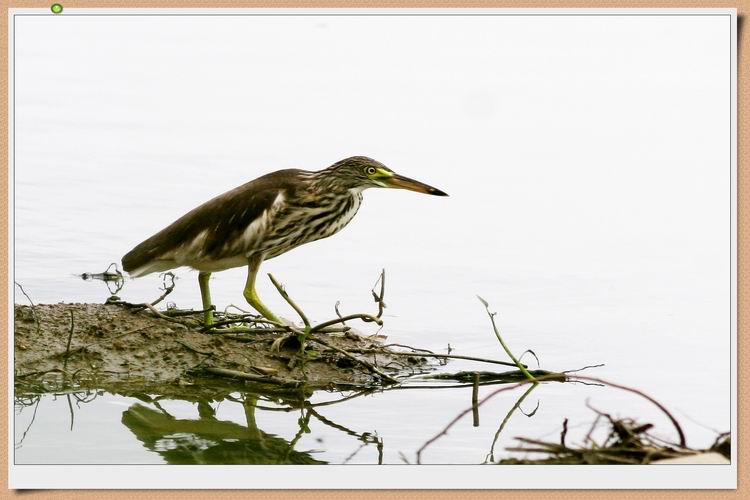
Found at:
<point>289,300</point>
<point>363,317</point>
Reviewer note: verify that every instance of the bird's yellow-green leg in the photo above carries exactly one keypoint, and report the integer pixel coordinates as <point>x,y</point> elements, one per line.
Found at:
<point>251,295</point>
<point>208,316</point>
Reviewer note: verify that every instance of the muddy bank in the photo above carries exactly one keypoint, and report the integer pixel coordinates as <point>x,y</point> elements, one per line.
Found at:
<point>100,345</point>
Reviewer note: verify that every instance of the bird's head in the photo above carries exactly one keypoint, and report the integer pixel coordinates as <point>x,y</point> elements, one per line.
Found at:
<point>361,172</point>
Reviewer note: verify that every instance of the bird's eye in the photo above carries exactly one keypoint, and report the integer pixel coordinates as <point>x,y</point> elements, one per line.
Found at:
<point>370,170</point>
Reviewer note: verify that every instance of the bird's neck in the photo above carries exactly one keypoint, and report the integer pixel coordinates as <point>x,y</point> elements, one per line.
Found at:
<point>322,183</point>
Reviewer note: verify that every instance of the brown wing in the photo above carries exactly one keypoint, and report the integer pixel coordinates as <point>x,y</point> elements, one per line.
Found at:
<point>224,218</point>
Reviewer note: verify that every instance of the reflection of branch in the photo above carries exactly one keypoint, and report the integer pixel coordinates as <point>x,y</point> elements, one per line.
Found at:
<point>458,417</point>
<point>357,394</point>
<point>365,437</point>
<point>33,416</point>
<point>507,417</point>
<point>87,398</point>
<point>70,405</point>
<point>353,454</point>
<point>330,423</point>
<point>118,284</point>
<point>303,421</point>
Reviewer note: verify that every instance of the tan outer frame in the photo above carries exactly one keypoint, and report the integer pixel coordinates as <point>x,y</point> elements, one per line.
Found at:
<point>743,286</point>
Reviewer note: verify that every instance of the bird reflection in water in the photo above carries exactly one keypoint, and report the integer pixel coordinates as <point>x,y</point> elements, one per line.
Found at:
<point>209,440</point>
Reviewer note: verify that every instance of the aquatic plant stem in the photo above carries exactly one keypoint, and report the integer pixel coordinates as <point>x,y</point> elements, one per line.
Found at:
<point>502,343</point>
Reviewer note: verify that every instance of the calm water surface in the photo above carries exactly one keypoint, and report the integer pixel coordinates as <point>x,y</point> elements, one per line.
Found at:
<point>590,252</point>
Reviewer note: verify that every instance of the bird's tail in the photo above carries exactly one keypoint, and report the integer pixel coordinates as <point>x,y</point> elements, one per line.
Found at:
<point>139,262</point>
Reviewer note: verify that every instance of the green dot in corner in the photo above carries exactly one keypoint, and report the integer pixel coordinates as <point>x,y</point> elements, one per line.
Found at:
<point>56,8</point>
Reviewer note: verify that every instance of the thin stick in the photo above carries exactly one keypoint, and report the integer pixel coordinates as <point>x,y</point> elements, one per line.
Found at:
<point>289,300</point>
<point>226,309</point>
<point>592,429</point>
<point>364,317</point>
<point>584,368</point>
<point>167,291</point>
<point>33,307</point>
<point>408,347</point>
<point>160,315</point>
<point>70,406</point>
<point>367,364</point>
<point>33,416</point>
<point>564,432</point>
<point>338,313</point>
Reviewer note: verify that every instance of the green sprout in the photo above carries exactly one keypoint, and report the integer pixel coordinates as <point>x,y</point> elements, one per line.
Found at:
<point>502,343</point>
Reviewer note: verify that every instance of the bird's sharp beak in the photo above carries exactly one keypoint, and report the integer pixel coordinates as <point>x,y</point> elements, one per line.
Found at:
<point>401,182</point>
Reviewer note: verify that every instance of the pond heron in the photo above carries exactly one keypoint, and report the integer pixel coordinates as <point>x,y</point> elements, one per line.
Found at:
<point>262,219</point>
